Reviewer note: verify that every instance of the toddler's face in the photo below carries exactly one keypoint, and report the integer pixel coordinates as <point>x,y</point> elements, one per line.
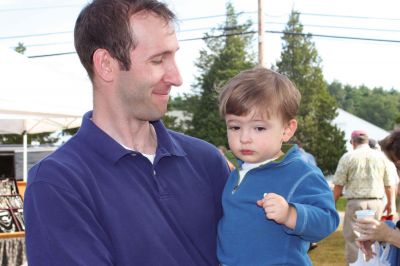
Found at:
<point>254,138</point>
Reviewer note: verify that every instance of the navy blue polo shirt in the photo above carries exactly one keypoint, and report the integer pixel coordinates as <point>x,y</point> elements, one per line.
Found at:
<point>92,202</point>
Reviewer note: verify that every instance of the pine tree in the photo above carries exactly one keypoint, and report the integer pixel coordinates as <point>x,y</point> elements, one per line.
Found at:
<point>301,63</point>
<point>224,57</point>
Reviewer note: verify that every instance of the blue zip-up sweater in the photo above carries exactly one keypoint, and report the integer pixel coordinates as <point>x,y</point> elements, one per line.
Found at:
<point>247,238</point>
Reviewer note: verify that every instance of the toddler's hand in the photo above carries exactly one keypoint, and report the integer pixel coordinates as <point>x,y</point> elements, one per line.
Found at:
<point>275,207</point>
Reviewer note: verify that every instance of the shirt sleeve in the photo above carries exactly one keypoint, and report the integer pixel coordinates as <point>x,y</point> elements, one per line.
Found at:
<point>341,174</point>
<point>392,177</point>
<point>316,212</point>
<point>219,174</point>
<point>61,230</point>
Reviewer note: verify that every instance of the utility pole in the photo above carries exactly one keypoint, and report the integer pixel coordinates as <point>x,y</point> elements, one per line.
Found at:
<point>261,33</point>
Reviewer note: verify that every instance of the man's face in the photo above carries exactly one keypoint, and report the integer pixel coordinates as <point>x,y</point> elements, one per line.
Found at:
<point>144,89</point>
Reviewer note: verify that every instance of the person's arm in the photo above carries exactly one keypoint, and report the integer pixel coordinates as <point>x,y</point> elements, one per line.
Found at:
<point>276,208</point>
<point>337,192</point>
<point>394,238</point>
<point>311,212</point>
<point>389,196</point>
<point>373,230</point>
<point>62,230</point>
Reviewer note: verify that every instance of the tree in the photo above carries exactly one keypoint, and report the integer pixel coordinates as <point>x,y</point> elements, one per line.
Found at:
<point>224,57</point>
<point>378,106</point>
<point>20,48</point>
<point>301,64</point>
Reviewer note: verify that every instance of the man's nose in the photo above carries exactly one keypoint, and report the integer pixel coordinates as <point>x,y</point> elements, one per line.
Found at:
<point>173,75</point>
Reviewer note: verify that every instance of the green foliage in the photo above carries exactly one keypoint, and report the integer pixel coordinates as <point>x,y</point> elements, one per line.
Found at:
<point>377,106</point>
<point>18,139</point>
<point>184,104</point>
<point>20,48</point>
<point>301,63</point>
<point>223,58</point>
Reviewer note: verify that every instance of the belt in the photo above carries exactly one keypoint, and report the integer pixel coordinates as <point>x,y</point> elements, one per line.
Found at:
<point>364,198</point>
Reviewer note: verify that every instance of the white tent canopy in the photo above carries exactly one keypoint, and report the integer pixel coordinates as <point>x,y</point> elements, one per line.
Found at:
<point>13,123</point>
<point>349,122</point>
<point>35,98</point>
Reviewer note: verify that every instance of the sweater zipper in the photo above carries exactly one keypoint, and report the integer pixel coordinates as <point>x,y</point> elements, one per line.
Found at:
<point>236,187</point>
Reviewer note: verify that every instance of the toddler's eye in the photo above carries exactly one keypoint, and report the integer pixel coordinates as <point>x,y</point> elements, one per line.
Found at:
<point>260,128</point>
<point>234,128</point>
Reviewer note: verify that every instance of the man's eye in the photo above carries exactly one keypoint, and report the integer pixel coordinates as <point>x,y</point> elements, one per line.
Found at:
<point>157,60</point>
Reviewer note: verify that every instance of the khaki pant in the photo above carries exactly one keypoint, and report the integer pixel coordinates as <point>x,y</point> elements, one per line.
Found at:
<point>352,206</point>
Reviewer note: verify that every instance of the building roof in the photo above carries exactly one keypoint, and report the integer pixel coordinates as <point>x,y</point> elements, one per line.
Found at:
<point>349,122</point>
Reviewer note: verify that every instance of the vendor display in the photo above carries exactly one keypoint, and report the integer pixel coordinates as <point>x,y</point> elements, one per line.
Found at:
<point>11,207</point>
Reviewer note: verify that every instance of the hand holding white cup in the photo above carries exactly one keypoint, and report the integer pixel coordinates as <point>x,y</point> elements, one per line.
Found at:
<point>365,214</point>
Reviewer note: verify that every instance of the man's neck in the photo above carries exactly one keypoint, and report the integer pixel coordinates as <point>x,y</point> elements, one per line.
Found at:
<point>132,133</point>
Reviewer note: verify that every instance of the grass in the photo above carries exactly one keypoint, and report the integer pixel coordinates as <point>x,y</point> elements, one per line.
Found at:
<point>341,204</point>
<point>330,251</point>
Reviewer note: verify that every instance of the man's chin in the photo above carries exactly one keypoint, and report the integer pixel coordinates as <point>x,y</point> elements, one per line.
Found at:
<point>157,114</point>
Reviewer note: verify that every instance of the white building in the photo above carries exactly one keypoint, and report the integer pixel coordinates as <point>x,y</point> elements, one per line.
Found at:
<point>348,122</point>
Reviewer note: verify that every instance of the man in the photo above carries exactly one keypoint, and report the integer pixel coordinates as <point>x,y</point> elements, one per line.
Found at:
<point>125,190</point>
<point>364,173</point>
<point>306,156</point>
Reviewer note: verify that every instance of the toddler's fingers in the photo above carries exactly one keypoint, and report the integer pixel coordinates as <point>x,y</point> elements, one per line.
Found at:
<point>260,202</point>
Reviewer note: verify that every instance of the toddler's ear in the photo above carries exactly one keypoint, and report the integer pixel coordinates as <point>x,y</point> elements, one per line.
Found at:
<point>289,130</point>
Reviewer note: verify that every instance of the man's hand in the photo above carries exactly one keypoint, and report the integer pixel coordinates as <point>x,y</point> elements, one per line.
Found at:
<point>388,208</point>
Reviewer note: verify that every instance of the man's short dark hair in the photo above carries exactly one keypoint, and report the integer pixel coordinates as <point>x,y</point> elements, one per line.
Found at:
<point>106,24</point>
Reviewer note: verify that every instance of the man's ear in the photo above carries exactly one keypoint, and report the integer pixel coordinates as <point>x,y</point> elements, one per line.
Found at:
<point>289,130</point>
<point>104,65</point>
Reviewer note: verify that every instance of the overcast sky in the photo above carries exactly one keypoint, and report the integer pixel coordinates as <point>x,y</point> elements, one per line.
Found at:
<point>45,27</point>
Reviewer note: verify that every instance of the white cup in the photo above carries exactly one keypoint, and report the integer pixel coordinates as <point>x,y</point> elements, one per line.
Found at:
<point>363,214</point>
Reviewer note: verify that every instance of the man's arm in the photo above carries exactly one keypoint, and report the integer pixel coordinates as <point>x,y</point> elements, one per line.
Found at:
<point>389,195</point>
<point>337,192</point>
<point>61,230</point>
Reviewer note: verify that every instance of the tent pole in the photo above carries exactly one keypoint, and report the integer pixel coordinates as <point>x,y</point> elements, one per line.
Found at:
<point>25,156</point>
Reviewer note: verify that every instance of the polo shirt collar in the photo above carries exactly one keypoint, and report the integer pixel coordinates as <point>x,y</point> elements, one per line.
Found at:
<point>103,144</point>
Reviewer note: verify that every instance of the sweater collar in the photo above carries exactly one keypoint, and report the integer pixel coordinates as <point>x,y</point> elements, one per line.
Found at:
<point>289,151</point>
